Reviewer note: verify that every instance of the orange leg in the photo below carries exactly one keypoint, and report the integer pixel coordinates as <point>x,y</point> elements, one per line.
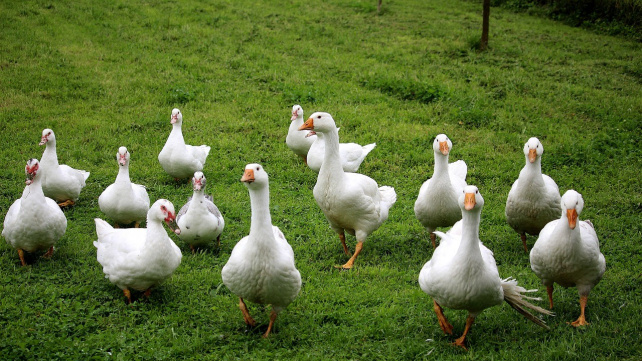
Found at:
<point>137,225</point>
<point>461,341</point>
<point>147,293</point>
<point>192,248</point>
<point>581,321</point>
<point>66,203</point>
<point>128,295</point>
<point>246,315</point>
<point>549,290</point>
<point>342,237</point>
<point>305,159</point>
<point>273,315</point>
<point>433,239</point>
<point>523,236</point>
<point>218,241</point>
<point>49,253</point>
<point>350,262</point>
<point>21,254</point>
<point>443,322</point>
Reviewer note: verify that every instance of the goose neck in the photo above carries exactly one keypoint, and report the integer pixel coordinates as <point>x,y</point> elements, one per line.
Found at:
<point>469,246</point>
<point>260,205</point>
<point>34,190</point>
<point>332,157</point>
<point>441,164</point>
<point>123,174</point>
<point>49,156</point>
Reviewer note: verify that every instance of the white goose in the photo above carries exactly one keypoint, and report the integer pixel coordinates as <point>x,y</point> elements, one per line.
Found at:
<point>534,198</point>
<point>139,258</point>
<point>351,202</point>
<point>298,142</point>
<point>34,222</point>
<point>569,255</point>
<point>462,273</point>
<point>437,204</point>
<point>59,182</point>
<point>178,159</point>
<point>123,201</point>
<point>261,267</point>
<point>351,154</point>
<point>199,219</point>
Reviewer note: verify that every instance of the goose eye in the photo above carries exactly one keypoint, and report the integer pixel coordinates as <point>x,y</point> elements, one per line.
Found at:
<point>318,117</point>
<point>477,192</point>
<point>258,168</point>
<point>163,208</point>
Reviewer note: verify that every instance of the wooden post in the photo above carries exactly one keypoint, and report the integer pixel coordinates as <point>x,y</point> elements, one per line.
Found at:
<point>485,18</point>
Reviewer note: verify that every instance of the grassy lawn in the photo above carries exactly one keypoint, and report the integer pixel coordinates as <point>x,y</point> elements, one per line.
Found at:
<point>104,74</point>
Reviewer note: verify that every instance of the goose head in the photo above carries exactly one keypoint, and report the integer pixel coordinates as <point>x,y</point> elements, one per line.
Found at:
<point>198,181</point>
<point>163,210</point>
<point>255,176</point>
<point>442,144</point>
<point>471,199</point>
<point>47,137</point>
<point>573,203</point>
<point>297,112</point>
<point>177,117</point>
<point>320,122</point>
<point>122,156</point>
<point>31,169</point>
<point>533,149</point>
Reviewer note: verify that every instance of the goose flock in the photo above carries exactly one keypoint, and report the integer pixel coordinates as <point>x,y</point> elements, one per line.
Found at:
<point>462,273</point>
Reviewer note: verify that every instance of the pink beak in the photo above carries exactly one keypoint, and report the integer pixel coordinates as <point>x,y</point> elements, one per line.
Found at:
<point>122,160</point>
<point>43,140</point>
<point>294,116</point>
<point>174,118</point>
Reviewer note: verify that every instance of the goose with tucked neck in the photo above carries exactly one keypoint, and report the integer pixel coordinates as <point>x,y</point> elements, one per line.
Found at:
<point>567,252</point>
<point>199,219</point>
<point>59,182</point>
<point>462,273</point>
<point>123,201</point>
<point>534,199</point>
<point>261,267</point>
<point>351,202</point>
<point>34,222</point>
<point>437,205</point>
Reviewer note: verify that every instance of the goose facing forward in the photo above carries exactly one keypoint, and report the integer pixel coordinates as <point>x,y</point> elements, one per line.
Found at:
<point>123,201</point>
<point>569,255</point>
<point>351,202</point>
<point>298,142</point>
<point>534,199</point>
<point>34,222</point>
<point>437,204</point>
<point>199,219</point>
<point>59,182</point>
<point>462,273</point>
<point>139,258</point>
<point>261,267</point>
<point>178,159</point>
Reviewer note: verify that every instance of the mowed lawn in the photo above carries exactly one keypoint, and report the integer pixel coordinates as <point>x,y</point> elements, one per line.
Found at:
<point>105,74</point>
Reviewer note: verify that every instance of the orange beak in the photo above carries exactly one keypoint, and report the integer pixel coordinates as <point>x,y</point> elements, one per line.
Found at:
<point>443,148</point>
<point>248,176</point>
<point>532,155</point>
<point>469,201</point>
<point>308,125</point>
<point>571,214</point>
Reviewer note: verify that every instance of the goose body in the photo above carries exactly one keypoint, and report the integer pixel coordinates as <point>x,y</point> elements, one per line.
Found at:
<point>462,273</point>
<point>178,159</point>
<point>534,199</point>
<point>199,219</point>
<point>261,267</point>
<point>34,222</point>
<point>437,203</point>
<point>299,142</point>
<point>139,258</point>
<point>59,181</point>
<point>567,252</point>
<point>351,202</point>
<point>350,154</point>
<point>123,201</point>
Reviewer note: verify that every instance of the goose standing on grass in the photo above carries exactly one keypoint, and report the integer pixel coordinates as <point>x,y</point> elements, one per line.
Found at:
<point>351,202</point>
<point>437,204</point>
<point>261,267</point>
<point>59,182</point>
<point>123,201</point>
<point>178,159</point>
<point>351,154</point>
<point>534,199</point>
<point>199,219</point>
<point>298,142</point>
<point>139,258</point>
<point>34,222</point>
<point>462,273</point>
<point>569,255</point>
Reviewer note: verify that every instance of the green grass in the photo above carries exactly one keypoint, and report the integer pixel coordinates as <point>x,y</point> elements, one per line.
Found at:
<point>103,74</point>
